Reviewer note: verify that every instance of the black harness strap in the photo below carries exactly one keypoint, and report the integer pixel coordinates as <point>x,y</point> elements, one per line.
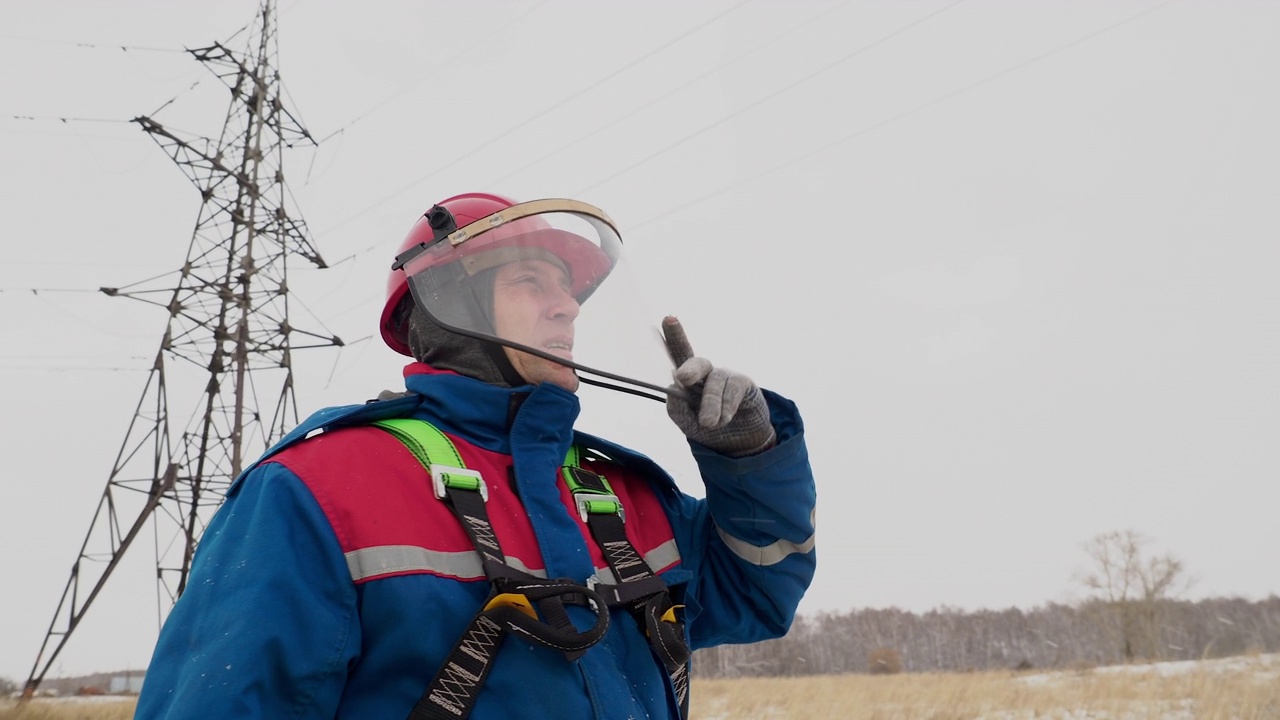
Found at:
<point>638,589</point>
<point>510,607</point>
<point>453,691</point>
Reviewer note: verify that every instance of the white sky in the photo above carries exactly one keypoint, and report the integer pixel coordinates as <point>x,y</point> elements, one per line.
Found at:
<point>1015,261</point>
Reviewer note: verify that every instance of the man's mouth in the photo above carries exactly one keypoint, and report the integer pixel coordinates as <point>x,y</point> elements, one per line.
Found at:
<point>561,348</point>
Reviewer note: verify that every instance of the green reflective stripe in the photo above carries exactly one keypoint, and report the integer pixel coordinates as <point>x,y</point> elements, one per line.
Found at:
<point>572,458</point>
<point>426,442</point>
<point>610,507</point>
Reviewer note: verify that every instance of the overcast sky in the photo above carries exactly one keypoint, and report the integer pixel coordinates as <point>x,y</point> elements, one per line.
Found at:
<point>1016,262</point>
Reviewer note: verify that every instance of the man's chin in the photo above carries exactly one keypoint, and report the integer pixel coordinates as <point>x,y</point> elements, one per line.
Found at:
<point>559,375</point>
<point>565,381</point>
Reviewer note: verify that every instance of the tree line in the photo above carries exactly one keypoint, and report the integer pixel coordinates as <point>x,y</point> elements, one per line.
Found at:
<point>1096,632</point>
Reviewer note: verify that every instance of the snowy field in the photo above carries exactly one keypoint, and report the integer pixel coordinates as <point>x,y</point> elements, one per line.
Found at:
<point>1239,688</point>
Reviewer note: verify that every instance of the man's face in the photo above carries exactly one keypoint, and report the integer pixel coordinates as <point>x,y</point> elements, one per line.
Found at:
<point>532,306</point>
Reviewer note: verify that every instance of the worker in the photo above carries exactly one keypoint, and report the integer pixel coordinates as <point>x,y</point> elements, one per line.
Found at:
<point>458,549</point>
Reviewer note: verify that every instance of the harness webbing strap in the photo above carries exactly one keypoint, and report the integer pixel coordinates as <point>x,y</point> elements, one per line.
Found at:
<point>454,689</point>
<point>645,594</point>
<point>424,440</point>
<point>468,506</point>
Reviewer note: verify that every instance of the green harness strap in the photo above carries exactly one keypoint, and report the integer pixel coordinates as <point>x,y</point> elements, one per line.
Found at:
<point>600,508</point>
<point>532,607</point>
<point>423,439</point>
<point>426,441</point>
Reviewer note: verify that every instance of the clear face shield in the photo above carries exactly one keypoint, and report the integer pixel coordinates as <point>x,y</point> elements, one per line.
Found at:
<point>522,278</point>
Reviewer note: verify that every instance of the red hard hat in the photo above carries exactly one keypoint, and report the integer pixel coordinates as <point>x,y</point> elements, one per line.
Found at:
<point>587,264</point>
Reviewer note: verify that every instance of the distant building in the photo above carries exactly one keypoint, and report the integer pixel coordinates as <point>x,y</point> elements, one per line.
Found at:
<point>130,682</point>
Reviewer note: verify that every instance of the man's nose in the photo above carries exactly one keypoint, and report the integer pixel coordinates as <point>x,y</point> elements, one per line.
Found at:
<point>563,305</point>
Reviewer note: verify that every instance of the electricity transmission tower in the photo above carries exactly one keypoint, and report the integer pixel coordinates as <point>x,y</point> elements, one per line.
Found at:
<point>228,340</point>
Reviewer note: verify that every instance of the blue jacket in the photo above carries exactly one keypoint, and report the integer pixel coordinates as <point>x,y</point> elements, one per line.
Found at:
<point>294,610</point>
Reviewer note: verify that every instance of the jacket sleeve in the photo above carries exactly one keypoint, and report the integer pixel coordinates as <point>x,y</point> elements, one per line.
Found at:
<point>750,543</point>
<point>267,625</point>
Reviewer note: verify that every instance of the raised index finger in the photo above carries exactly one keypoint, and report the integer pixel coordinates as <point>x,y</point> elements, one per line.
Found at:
<point>678,347</point>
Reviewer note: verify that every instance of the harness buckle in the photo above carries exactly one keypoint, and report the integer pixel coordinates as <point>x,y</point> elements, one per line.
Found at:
<point>598,504</point>
<point>592,584</point>
<point>444,477</point>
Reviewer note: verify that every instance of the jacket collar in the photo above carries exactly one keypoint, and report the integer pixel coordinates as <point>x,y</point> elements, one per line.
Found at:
<point>488,415</point>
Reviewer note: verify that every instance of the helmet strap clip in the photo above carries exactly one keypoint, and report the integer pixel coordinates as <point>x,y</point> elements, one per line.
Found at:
<point>442,225</point>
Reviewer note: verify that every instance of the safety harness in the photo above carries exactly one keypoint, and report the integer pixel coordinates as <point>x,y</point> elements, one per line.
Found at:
<point>531,607</point>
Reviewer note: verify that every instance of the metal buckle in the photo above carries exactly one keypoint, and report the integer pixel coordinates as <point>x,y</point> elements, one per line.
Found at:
<point>582,499</point>
<point>592,584</point>
<point>437,479</point>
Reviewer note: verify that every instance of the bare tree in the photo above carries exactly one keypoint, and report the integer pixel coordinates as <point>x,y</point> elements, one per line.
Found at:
<point>1132,588</point>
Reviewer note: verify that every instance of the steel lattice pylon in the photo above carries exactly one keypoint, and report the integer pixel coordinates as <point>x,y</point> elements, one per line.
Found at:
<point>228,333</point>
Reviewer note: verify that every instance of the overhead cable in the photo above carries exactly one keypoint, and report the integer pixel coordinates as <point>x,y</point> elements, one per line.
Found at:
<point>905,114</point>
<point>671,92</point>
<point>825,68</point>
<point>538,115</point>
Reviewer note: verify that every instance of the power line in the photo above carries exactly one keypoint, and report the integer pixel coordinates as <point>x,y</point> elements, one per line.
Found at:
<point>673,91</point>
<point>75,368</point>
<point>91,46</point>
<point>825,68</point>
<point>72,263</point>
<point>73,356</point>
<point>65,119</point>
<point>37,291</point>
<point>538,115</point>
<point>174,99</point>
<point>693,81</point>
<point>917,109</point>
<point>484,37</point>
<point>125,121</point>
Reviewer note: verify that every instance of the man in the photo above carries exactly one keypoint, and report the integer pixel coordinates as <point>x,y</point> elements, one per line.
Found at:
<point>345,574</point>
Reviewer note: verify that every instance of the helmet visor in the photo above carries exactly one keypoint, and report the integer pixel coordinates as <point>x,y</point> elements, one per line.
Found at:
<point>522,276</point>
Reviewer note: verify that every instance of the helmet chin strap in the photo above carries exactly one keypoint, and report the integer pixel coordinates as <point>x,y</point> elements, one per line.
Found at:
<point>479,314</point>
<point>637,387</point>
<point>621,389</point>
<point>500,360</point>
<point>480,309</point>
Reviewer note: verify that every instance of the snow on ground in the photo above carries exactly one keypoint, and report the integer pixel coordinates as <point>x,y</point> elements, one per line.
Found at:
<point>1266,667</point>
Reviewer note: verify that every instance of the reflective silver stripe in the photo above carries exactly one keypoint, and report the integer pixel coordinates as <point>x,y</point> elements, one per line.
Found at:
<point>771,554</point>
<point>465,565</point>
<point>387,559</point>
<point>663,556</point>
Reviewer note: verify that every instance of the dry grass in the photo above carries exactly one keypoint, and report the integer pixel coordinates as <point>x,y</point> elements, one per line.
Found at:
<point>69,709</point>
<point>1246,688</point>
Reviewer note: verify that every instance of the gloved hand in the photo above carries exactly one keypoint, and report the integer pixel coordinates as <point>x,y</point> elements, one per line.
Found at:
<point>715,407</point>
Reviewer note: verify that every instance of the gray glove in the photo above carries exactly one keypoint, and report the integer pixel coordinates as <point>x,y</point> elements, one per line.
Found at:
<point>715,407</point>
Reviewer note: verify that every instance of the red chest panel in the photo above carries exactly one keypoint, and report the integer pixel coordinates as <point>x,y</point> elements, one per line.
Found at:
<point>376,495</point>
